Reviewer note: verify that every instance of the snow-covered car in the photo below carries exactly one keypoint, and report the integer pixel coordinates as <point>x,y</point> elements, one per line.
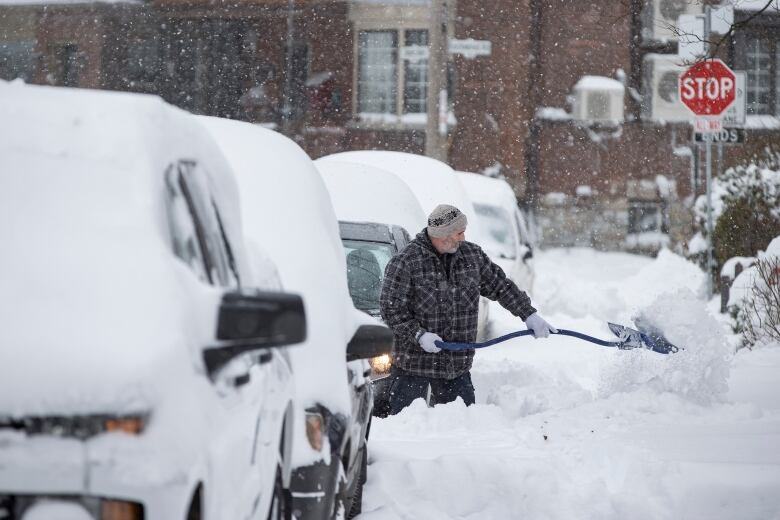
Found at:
<point>139,377</point>
<point>432,182</point>
<point>504,229</point>
<point>377,214</point>
<point>287,210</point>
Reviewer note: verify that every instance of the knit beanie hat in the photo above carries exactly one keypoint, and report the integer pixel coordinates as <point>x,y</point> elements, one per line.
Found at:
<point>446,220</point>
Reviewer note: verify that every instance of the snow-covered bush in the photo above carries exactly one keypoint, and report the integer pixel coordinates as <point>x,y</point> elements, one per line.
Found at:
<point>746,209</point>
<point>755,298</point>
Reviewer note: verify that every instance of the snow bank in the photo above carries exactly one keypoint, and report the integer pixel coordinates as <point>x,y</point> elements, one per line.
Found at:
<point>699,372</point>
<point>615,287</point>
<point>669,270</point>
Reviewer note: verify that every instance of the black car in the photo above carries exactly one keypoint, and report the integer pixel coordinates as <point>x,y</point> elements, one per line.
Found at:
<point>369,247</point>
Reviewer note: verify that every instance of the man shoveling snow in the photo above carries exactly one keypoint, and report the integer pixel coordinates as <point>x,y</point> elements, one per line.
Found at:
<point>430,294</point>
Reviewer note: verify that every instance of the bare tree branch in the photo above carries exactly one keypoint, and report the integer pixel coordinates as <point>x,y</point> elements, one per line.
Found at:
<point>714,46</point>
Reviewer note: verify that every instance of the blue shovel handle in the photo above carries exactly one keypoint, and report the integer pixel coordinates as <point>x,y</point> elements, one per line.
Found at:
<point>447,345</point>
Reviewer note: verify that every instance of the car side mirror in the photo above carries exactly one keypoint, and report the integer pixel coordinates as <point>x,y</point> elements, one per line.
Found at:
<point>254,320</point>
<point>529,252</point>
<point>370,341</point>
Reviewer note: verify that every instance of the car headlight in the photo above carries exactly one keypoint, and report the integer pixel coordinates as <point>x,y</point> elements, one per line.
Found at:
<point>381,364</point>
<point>315,425</point>
<point>131,425</point>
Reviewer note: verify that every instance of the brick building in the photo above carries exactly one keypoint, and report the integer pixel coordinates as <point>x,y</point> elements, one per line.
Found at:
<point>574,106</point>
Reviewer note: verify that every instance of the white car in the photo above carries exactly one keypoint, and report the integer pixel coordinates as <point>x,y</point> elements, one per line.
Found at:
<point>432,182</point>
<point>287,210</point>
<point>504,229</point>
<point>139,377</point>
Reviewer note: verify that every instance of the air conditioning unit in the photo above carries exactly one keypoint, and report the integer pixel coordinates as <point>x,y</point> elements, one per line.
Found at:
<point>598,100</point>
<point>660,99</point>
<point>659,17</point>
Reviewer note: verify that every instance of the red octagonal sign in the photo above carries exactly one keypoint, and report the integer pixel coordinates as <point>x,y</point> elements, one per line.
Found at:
<point>708,87</point>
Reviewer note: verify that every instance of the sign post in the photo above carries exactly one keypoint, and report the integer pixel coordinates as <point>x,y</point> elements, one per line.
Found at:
<point>708,88</point>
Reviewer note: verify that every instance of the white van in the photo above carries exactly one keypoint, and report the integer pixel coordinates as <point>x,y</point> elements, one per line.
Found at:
<point>432,182</point>
<point>139,374</point>
<point>504,229</point>
<point>287,210</point>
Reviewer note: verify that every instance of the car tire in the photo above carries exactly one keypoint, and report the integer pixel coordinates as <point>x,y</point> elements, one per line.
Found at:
<point>357,497</point>
<point>281,507</point>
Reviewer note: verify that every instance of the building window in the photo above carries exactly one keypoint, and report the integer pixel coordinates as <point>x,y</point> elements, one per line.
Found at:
<point>17,60</point>
<point>70,62</point>
<point>392,83</point>
<point>416,75</point>
<point>777,78</point>
<point>757,52</point>
<point>378,72</point>
<point>759,80</point>
<point>143,63</point>
<point>646,216</point>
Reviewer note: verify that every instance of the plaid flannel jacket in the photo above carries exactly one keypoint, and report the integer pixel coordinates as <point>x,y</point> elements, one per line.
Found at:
<point>417,295</point>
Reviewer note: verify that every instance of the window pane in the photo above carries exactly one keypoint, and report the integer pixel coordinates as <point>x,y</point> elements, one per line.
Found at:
<point>644,217</point>
<point>496,226</point>
<point>757,60</point>
<point>366,262</point>
<point>377,74</point>
<point>416,75</point>
<point>17,60</point>
<point>184,235</point>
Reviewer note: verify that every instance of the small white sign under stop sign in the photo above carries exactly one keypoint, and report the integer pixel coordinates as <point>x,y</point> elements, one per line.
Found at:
<point>707,124</point>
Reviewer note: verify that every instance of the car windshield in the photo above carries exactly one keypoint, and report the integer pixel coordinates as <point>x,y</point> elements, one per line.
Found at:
<point>366,262</point>
<point>496,225</point>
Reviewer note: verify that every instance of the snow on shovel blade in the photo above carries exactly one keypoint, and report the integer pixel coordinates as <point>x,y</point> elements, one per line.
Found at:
<point>651,340</point>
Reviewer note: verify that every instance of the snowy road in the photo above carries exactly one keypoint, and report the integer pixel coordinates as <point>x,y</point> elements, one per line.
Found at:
<point>564,429</point>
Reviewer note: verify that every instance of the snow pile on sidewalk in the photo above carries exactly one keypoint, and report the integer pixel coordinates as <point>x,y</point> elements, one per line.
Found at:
<point>609,286</point>
<point>698,372</point>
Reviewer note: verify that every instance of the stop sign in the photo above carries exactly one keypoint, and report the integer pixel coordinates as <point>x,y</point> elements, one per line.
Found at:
<point>708,87</point>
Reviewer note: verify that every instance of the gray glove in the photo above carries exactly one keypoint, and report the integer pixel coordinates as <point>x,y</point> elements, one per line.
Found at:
<point>426,341</point>
<point>541,328</point>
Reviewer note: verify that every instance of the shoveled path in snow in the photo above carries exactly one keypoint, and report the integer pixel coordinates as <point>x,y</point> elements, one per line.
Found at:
<point>564,429</point>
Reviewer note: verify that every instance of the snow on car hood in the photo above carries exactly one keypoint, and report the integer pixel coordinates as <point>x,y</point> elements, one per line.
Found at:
<point>432,182</point>
<point>96,313</point>
<point>486,190</point>
<point>362,193</point>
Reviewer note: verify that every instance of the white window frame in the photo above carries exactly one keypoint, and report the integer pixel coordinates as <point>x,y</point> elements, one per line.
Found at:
<point>371,16</point>
<point>399,116</point>
<point>759,79</point>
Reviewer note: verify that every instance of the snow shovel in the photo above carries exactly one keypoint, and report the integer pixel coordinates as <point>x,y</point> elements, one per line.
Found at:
<point>628,339</point>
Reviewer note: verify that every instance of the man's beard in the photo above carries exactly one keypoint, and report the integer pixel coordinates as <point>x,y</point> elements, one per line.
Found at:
<point>454,249</point>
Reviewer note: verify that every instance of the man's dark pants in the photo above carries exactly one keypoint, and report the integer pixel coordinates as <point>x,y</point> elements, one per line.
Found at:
<point>406,387</point>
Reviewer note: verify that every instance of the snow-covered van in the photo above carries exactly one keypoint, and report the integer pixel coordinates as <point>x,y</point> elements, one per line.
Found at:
<point>504,230</point>
<point>139,374</point>
<point>432,182</point>
<point>287,210</point>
